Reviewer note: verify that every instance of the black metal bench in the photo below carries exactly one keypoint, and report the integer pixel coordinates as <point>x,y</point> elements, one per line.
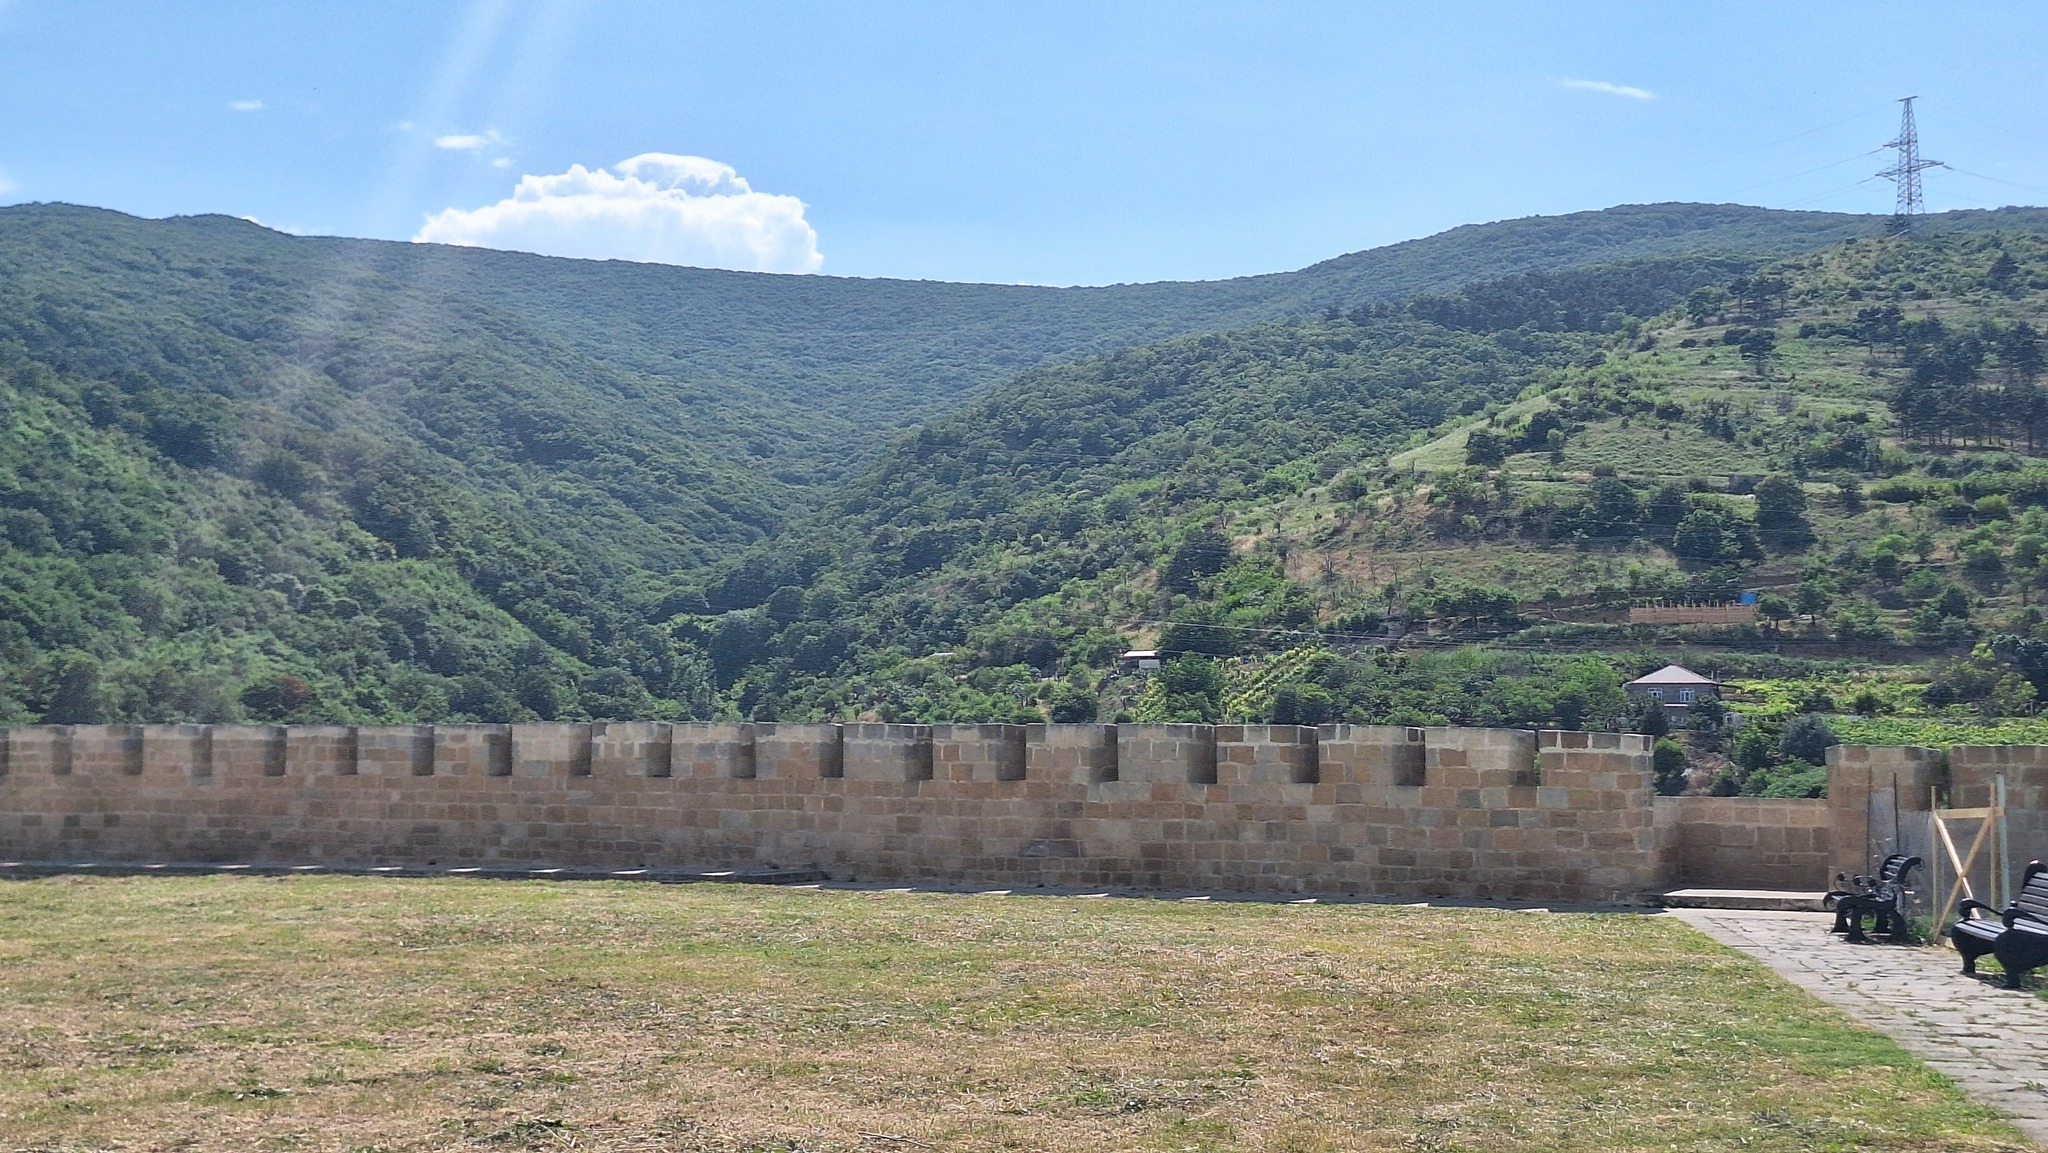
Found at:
<point>2018,936</point>
<point>1876,897</point>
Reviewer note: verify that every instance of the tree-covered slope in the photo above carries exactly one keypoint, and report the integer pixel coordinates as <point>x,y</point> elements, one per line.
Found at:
<point>247,475</point>
<point>1023,529</point>
<point>1854,433</point>
<point>881,355</point>
<point>224,464</point>
<point>792,376</point>
<point>152,566</point>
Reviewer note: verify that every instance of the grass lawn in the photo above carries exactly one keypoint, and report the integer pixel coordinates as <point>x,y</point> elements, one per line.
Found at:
<point>359,1014</point>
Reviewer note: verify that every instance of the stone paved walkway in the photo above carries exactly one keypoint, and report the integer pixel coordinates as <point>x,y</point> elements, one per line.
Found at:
<point>1993,1041</point>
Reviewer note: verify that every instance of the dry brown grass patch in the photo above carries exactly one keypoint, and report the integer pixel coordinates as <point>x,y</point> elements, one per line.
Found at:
<point>353,1014</point>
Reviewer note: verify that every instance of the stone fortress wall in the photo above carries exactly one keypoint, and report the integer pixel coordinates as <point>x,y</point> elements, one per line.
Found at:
<point>1879,798</point>
<point>1436,812</point>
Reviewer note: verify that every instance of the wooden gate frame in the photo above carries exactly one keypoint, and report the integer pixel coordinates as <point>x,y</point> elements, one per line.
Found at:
<point>1991,829</point>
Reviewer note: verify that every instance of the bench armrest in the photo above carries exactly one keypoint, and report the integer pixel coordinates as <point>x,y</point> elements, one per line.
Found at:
<point>2016,914</point>
<point>1968,909</point>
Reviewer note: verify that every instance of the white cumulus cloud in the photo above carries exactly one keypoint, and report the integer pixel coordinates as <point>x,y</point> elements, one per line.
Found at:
<point>1610,89</point>
<point>246,105</point>
<point>657,207</point>
<point>461,142</point>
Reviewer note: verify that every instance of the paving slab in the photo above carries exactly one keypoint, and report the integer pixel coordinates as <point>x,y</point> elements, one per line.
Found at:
<point>1741,899</point>
<point>1992,1040</point>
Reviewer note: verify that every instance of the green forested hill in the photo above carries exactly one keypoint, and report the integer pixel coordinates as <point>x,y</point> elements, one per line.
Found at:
<point>858,359</point>
<point>1024,527</point>
<point>246,475</point>
<point>1854,433</point>
<point>790,376</point>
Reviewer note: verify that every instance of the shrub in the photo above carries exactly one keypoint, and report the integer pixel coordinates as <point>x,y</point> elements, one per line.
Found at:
<point>1667,762</point>
<point>286,474</point>
<point>1350,486</point>
<point>1791,779</point>
<point>1807,738</point>
<point>1072,704</point>
<point>1953,602</point>
<point>1650,719</point>
<point>278,697</point>
<point>1197,630</point>
<point>1203,553</point>
<point>1752,750</point>
<point>1303,705</point>
<point>1900,491</point>
<point>1708,720</point>
<point>1859,623</point>
<point>1713,531</point>
<point>1483,446</point>
<point>1780,504</point>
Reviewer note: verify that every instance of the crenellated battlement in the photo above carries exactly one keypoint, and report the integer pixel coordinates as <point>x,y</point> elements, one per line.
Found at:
<point>1489,813</point>
<point>1186,754</point>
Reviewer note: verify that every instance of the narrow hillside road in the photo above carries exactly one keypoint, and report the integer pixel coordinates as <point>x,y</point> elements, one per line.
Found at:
<point>1992,1040</point>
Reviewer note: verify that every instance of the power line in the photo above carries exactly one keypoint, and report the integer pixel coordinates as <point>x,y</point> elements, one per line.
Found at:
<point>1995,179</point>
<point>1722,159</point>
<point>1972,199</point>
<point>1834,192</point>
<point>1810,171</point>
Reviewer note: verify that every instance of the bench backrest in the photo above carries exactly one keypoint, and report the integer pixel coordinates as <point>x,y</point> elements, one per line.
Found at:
<point>2033,894</point>
<point>1895,867</point>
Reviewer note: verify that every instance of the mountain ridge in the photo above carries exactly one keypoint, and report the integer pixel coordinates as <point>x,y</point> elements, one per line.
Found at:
<point>248,474</point>
<point>1855,435</point>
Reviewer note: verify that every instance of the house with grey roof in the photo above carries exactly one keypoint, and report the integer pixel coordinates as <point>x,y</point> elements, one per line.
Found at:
<point>1677,688</point>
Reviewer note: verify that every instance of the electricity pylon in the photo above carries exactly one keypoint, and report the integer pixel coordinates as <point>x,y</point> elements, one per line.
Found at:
<point>1906,172</point>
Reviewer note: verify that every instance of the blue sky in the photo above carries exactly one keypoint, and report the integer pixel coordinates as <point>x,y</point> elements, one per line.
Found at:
<point>1049,143</point>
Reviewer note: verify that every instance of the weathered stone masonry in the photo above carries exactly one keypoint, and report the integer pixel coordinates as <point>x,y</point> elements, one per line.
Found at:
<point>1486,813</point>
<point>1878,799</point>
